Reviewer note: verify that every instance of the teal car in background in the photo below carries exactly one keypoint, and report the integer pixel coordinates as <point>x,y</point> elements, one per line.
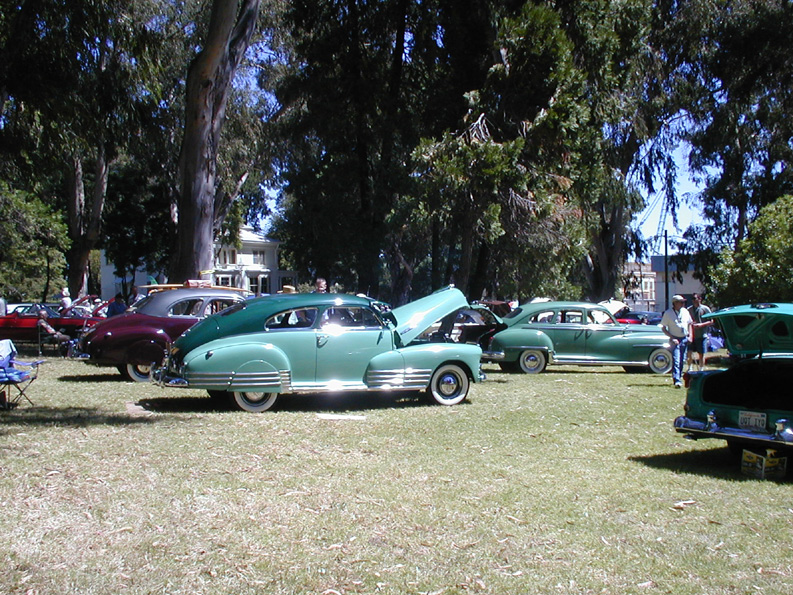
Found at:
<point>580,333</point>
<point>747,404</point>
<point>265,347</point>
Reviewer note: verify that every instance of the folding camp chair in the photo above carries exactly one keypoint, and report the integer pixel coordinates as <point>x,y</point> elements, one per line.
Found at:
<point>13,381</point>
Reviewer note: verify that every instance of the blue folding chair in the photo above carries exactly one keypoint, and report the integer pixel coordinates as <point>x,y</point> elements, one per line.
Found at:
<point>13,381</point>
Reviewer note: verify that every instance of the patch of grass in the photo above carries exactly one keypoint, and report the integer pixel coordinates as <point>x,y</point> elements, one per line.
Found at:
<point>571,481</point>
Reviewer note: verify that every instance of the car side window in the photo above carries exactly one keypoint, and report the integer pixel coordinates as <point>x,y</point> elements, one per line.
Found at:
<point>571,317</point>
<point>350,317</point>
<point>292,319</point>
<point>544,317</point>
<point>188,307</point>
<point>218,305</point>
<point>600,317</point>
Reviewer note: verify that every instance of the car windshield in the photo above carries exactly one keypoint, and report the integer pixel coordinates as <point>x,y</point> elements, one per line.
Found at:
<point>141,305</point>
<point>514,313</point>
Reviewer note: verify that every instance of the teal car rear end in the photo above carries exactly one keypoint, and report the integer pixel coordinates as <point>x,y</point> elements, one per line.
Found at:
<point>748,404</point>
<point>319,343</point>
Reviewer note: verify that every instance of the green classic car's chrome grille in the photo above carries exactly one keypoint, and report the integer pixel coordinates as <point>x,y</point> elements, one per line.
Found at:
<point>409,379</point>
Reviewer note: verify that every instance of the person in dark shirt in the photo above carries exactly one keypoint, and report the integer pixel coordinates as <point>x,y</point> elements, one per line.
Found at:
<point>117,306</point>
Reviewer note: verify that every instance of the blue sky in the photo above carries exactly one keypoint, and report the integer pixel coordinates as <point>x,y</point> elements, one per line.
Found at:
<point>652,221</point>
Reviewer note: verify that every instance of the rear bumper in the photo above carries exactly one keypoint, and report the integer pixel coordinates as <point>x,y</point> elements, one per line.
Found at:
<point>781,437</point>
<point>160,376</point>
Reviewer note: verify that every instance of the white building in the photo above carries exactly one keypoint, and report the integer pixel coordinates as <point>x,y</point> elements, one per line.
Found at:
<point>254,266</point>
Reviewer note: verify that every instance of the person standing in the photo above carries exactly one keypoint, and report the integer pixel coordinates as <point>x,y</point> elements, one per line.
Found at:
<point>135,295</point>
<point>117,306</point>
<point>320,285</point>
<point>66,299</point>
<point>676,324</point>
<point>699,331</point>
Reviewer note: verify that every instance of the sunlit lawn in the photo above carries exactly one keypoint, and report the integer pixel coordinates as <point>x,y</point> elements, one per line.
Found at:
<point>572,481</point>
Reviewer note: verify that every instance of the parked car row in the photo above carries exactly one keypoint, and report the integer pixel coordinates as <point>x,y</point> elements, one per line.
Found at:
<point>253,350</point>
<point>22,324</point>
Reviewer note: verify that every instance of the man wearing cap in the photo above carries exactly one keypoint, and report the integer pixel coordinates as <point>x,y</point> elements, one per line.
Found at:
<point>676,324</point>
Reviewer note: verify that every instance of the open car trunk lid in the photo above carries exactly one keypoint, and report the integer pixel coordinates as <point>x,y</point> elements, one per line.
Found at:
<point>757,329</point>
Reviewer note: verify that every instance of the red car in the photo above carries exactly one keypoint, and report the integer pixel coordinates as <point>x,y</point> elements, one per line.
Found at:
<point>132,341</point>
<point>21,325</point>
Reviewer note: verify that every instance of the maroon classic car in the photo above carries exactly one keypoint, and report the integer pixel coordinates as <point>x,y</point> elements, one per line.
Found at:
<point>21,325</point>
<point>134,340</point>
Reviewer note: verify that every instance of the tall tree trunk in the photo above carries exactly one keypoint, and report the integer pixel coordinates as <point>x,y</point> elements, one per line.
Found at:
<point>437,265</point>
<point>208,78</point>
<point>84,221</point>
<point>479,278</point>
<point>467,238</point>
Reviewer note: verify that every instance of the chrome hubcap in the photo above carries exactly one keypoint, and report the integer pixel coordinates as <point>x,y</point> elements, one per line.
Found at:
<point>448,385</point>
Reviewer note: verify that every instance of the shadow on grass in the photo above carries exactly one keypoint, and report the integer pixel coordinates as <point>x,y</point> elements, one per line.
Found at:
<point>67,417</point>
<point>716,462</point>
<point>94,378</point>
<point>312,403</point>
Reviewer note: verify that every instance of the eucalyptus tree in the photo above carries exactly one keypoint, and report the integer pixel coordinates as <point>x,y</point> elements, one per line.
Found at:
<point>361,84</point>
<point>72,95</point>
<point>730,77</point>
<point>209,79</point>
<point>342,120</point>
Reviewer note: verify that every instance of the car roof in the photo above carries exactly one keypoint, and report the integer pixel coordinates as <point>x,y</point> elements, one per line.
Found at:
<point>158,303</point>
<point>281,301</point>
<point>556,305</point>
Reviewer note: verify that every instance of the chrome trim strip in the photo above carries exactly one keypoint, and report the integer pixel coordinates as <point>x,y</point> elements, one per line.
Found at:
<point>407,379</point>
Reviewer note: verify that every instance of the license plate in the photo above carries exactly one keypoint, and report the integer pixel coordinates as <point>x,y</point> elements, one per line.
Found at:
<point>751,420</point>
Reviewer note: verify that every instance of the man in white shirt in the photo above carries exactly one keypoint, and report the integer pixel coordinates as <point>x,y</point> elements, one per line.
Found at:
<point>676,324</point>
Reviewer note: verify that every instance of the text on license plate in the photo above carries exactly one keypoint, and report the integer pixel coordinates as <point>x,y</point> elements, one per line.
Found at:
<point>752,420</point>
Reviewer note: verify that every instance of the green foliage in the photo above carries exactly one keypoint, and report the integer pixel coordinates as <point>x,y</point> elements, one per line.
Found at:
<point>761,269</point>
<point>33,240</point>
<point>730,77</point>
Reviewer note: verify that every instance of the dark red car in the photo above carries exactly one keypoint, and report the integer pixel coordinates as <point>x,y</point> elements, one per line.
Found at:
<point>134,340</point>
<point>21,325</point>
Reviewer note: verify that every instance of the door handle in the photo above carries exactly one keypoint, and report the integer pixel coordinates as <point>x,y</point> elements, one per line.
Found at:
<point>322,339</point>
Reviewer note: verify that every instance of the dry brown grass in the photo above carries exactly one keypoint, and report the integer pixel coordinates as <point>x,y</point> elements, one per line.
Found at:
<point>566,482</point>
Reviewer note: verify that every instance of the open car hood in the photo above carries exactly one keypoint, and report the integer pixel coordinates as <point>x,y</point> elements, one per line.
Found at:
<point>414,318</point>
<point>757,329</point>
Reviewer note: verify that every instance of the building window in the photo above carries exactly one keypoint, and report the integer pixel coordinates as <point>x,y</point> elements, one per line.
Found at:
<point>228,257</point>
<point>259,285</point>
<point>223,280</point>
<point>260,257</point>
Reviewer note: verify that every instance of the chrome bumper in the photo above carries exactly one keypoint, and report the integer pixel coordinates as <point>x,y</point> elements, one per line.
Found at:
<point>160,377</point>
<point>782,436</point>
<point>493,356</point>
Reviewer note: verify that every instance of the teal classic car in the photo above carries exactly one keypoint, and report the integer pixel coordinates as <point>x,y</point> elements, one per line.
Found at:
<point>261,348</point>
<point>747,404</point>
<point>580,333</point>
